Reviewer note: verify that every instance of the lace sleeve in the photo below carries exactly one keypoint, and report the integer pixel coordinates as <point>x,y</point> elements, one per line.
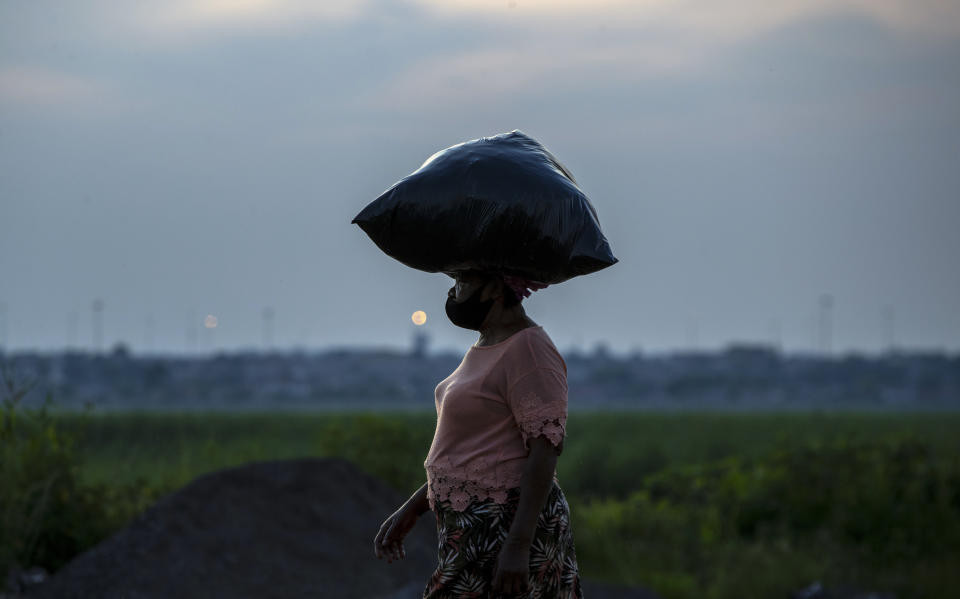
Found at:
<point>539,405</point>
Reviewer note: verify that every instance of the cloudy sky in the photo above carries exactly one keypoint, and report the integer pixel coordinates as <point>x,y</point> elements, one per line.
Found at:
<point>747,158</point>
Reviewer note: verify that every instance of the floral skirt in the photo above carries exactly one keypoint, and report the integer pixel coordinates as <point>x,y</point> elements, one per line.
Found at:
<point>469,544</point>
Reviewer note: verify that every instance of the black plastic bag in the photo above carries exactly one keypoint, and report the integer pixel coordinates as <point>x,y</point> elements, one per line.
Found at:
<point>497,204</point>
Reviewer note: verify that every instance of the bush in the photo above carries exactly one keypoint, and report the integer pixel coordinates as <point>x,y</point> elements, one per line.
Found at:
<point>389,448</point>
<point>870,513</point>
<point>695,505</point>
<point>46,515</point>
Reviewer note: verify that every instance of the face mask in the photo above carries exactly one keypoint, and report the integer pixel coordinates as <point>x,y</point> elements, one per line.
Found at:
<point>470,313</point>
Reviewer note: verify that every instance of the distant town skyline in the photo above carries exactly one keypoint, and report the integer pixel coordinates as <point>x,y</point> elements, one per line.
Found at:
<point>780,173</point>
<point>200,338</point>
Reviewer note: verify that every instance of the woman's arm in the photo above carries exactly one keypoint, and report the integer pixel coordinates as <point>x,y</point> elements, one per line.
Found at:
<point>418,501</point>
<point>534,489</point>
<point>389,539</point>
<point>511,574</point>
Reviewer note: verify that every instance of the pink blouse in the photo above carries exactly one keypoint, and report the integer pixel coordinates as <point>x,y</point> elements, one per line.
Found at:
<point>498,398</point>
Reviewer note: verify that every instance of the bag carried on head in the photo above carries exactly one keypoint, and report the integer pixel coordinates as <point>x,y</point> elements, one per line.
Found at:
<point>497,204</point>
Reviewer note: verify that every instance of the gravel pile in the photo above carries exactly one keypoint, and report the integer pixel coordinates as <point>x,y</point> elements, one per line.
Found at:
<point>284,529</point>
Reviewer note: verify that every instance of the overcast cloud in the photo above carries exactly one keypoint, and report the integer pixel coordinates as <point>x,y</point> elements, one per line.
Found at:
<point>195,158</point>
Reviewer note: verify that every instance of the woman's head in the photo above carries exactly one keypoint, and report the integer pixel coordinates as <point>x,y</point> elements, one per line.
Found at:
<point>491,285</point>
<point>510,297</point>
<point>475,295</point>
<point>521,287</point>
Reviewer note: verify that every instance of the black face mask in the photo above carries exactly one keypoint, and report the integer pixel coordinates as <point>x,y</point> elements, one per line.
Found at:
<point>470,313</point>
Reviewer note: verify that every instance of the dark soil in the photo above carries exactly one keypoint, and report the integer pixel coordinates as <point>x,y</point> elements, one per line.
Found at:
<point>284,529</point>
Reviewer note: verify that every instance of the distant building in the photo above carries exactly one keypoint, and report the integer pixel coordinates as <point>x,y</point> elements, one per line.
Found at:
<point>601,351</point>
<point>421,343</point>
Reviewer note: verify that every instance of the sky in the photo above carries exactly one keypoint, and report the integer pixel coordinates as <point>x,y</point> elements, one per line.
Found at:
<point>750,162</point>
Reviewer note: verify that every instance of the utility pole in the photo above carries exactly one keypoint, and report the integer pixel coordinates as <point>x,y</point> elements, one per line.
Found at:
<point>826,323</point>
<point>267,316</point>
<point>148,332</point>
<point>72,322</point>
<point>97,308</point>
<point>3,326</point>
<point>191,333</point>
<point>776,339</point>
<point>889,316</point>
<point>693,333</point>
<point>210,324</point>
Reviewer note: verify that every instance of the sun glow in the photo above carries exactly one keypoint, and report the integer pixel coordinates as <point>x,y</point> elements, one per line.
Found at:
<point>419,317</point>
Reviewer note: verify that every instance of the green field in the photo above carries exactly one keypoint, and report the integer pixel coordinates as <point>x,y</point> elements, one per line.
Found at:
<point>691,504</point>
<point>604,452</point>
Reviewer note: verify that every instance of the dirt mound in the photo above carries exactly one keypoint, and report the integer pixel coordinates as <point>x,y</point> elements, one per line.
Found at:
<point>291,528</point>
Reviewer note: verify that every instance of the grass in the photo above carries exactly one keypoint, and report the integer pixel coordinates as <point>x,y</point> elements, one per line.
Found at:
<point>692,504</point>
<point>170,449</point>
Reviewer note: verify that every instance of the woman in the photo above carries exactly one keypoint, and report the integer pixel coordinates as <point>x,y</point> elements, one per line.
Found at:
<point>502,520</point>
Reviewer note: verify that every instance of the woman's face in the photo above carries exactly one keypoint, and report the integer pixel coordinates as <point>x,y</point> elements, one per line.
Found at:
<point>465,284</point>
<point>468,301</point>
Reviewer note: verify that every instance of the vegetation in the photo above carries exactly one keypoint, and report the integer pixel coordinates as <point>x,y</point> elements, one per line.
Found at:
<point>869,513</point>
<point>47,514</point>
<point>692,505</point>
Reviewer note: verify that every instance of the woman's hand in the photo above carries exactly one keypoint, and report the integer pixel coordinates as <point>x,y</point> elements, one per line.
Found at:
<point>512,572</point>
<point>389,540</point>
